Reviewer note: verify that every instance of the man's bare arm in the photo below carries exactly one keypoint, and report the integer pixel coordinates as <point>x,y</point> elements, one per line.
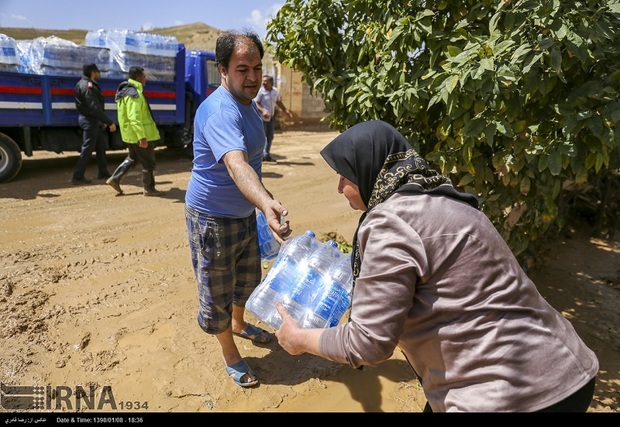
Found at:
<point>252,188</point>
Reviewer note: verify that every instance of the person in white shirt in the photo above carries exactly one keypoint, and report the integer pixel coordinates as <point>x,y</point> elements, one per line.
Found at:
<point>266,100</point>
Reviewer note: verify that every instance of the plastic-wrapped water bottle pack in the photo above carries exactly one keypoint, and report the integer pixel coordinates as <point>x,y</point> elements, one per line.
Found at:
<point>8,54</point>
<point>154,52</point>
<point>313,280</point>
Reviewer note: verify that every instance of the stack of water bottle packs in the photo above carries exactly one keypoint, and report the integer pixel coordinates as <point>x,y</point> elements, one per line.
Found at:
<point>114,51</point>
<point>155,53</point>
<point>312,279</point>
<point>54,56</point>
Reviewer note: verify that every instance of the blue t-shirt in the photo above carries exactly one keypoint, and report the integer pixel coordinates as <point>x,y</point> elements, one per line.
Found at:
<point>223,124</point>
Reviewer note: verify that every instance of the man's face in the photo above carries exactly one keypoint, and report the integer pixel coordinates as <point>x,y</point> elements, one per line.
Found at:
<point>267,83</point>
<point>244,73</point>
<point>95,75</point>
<point>142,79</point>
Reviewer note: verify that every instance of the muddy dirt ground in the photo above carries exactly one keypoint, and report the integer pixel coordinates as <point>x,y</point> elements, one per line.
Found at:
<point>98,290</point>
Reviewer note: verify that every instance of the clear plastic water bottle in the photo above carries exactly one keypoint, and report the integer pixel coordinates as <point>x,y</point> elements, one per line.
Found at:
<point>316,275</point>
<point>276,287</point>
<point>129,41</point>
<point>289,268</point>
<point>262,304</point>
<point>300,246</point>
<point>269,246</point>
<point>342,282</point>
<point>332,302</point>
<point>96,38</point>
<point>23,56</point>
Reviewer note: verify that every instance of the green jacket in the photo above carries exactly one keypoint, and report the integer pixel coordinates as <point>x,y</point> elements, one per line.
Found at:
<point>134,114</point>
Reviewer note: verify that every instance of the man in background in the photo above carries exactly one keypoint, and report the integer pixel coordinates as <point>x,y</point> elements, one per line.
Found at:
<point>138,131</point>
<point>266,100</point>
<point>92,119</point>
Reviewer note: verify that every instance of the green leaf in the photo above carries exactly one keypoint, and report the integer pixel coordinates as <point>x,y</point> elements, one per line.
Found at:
<point>520,52</point>
<point>524,188</point>
<point>562,32</point>
<point>554,163</point>
<point>493,23</point>
<point>546,85</point>
<point>487,64</point>
<point>452,82</point>
<point>556,60</point>
<point>453,51</point>
<point>466,179</point>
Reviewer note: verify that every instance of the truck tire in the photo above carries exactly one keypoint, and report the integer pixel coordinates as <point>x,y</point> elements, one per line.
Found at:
<point>10,158</point>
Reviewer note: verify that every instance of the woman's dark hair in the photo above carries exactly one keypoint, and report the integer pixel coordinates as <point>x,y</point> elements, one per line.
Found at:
<point>225,44</point>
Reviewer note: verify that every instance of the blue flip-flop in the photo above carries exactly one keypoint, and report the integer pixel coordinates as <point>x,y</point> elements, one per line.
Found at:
<point>238,371</point>
<point>255,334</point>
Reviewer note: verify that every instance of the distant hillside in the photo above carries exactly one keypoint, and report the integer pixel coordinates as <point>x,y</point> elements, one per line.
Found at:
<point>193,36</point>
<point>76,36</point>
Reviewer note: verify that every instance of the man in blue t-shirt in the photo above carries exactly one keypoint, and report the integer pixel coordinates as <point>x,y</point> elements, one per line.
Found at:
<point>224,190</point>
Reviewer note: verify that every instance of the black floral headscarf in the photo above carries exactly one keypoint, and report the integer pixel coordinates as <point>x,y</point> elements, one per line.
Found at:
<point>380,161</point>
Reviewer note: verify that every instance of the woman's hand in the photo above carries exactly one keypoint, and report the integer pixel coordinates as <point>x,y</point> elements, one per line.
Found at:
<point>294,339</point>
<point>289,332</point>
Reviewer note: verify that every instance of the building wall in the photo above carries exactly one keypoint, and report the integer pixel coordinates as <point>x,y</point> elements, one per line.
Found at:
<point>306,107</point>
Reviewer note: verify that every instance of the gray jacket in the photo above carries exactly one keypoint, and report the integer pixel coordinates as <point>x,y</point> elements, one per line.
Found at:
<point>438,281</point>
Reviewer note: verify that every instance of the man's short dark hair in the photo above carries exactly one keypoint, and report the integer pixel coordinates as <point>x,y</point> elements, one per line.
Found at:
<point>135,72</point>
<point>225,45</point>
<point>87,69</point>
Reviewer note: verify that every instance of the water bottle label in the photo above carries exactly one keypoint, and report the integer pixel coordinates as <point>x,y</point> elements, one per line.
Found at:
<point>307,289</point>
<point>313,320</point>
<point>293,276</point>
<point>329,303</point>
<point>278,284</point>
<point>339,310</point>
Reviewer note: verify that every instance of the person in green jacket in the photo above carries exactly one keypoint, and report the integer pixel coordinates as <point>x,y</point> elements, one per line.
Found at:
<point>138,131</point>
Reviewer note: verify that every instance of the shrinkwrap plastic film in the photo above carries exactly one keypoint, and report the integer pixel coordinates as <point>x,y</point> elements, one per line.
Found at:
<point>312,280</point>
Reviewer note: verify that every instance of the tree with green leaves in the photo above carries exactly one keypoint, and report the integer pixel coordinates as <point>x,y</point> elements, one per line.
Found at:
<point>510,98</point>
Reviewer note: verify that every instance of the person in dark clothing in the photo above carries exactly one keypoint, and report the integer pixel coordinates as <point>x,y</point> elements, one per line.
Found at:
<point>92,119</point>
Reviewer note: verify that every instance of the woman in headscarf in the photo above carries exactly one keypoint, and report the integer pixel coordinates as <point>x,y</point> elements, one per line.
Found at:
<point>435,278</point>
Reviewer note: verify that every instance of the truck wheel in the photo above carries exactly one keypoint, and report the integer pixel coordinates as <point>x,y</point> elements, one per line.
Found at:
<point>10,158</point>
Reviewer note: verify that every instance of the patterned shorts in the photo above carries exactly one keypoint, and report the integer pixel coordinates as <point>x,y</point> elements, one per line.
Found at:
<point>226,261</point>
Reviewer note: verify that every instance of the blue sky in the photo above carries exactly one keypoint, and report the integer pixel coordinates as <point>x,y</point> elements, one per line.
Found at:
<point>137,15</point>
